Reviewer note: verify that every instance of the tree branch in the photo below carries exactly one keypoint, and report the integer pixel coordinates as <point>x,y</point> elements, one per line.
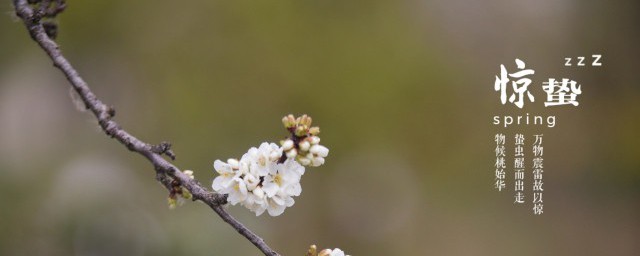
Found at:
<point>165,171</point>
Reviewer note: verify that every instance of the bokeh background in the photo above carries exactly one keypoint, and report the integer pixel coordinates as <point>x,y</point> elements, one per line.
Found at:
<point>403,92</point>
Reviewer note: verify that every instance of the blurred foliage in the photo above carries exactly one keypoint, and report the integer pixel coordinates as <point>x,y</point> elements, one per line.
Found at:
<point>403,93</point>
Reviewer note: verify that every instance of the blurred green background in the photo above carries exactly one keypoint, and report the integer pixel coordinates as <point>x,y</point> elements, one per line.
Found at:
<point>403,93</point>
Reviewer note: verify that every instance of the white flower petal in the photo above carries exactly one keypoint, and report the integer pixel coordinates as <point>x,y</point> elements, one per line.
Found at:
<point>275,209</point>
<point>259,192</point>
<point>289,201</point>
<point>251,181</point>
<point>218,183</point>
<point>294,189</point>
<point>277,200</point>
<point>295,167</point>
<point>220,166</point>
<point>270,188</point>
<point>260,210</point>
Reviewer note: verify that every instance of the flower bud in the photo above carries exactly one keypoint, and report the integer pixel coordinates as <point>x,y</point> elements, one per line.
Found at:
<point>289,121</point>
<point>233,163</point>
<point>314,130</point>
<point>317,161</point>
<point>186,194</point>
<point>287,145</point>
<point>319,150</point>
<point>313,251</point>
<point>189,173</point>
<point>304,145</point>
<point>172,202</point>
<point>292,153</point>
<point>314,140</point>
<point>305,120</point>
<point>304,161</point>
<point>301,131</point>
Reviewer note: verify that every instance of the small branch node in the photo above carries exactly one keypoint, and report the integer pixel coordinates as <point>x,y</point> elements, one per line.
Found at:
<point>164,148</point>
<point>111,111</point>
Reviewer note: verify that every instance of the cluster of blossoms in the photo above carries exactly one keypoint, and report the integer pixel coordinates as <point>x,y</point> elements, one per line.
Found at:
<point>268,177</point>
<point>326,252</point>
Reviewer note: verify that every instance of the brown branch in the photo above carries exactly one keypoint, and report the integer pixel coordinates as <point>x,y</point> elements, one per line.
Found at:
<point>165,171</point>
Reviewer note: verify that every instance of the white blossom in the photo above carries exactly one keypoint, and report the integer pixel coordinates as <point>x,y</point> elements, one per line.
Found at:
<point>252,182</point>
<point>225,179</point>
<point>261,159</point>
<point>277,203</point>
<point>267,178</point>
<point>237,191</point>
<point>256,202</point>
<point>258,182</point>
<point>285,177</point>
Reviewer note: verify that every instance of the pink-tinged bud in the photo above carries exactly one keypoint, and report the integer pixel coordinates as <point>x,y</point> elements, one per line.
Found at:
<point>314,140</point>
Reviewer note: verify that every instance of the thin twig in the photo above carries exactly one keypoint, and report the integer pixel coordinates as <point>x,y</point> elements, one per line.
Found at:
<point>165,171</point>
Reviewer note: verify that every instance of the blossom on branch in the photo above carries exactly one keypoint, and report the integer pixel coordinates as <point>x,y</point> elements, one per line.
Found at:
<point>267,178</point>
